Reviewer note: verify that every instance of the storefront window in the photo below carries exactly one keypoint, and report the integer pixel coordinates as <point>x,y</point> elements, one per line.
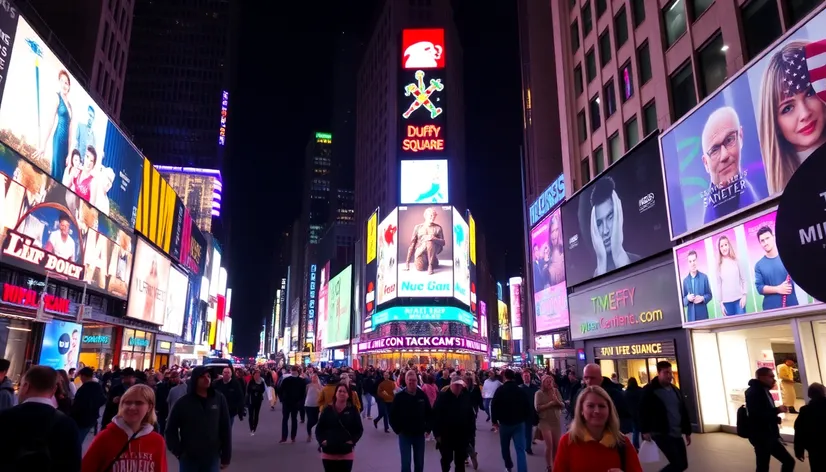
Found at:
<point>641,369</point>
<point>97,347</point>
<point>14,338</point>
<point>136,351</point>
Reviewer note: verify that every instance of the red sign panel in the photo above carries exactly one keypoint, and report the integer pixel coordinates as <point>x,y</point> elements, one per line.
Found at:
<point>21,296</point>
<point>423,48</point>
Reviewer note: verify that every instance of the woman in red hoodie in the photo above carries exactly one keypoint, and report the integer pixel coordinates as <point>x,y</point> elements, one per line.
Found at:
<point>129,442</point>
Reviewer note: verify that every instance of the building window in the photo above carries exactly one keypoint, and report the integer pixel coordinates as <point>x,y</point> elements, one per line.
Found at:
<point>627,81</point>
<point>649,118</point>
<point>105,43</point>
<point>712,66</point>
<point>591,66</point>
<point>683,95</point>
<point>621,27</point>
<point>644,60</point>
<point>599,161</point>
<point>610,99</point>
<point>594,109</point>
<point>674,20</point>
<point>581,126</point>
<point>587,22</point>
<point>638,12</point>
<point>614,147</point>
<point>699,6</point>
<point>761,25</point>
<point>604,48</point>
<point>632,133</point>
<point>585,169</point>
<point>798,9</point>
<point>574,36</point>
<point>602,5</point>
<point>578,87</point>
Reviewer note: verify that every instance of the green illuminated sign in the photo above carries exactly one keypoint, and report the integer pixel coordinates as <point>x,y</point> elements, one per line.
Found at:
<point>323,136</point>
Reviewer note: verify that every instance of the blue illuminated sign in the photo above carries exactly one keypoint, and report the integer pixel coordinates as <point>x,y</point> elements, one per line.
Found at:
<point>423,313</point>
<point>96,339</point>
<point>546,202</point>
<point>139,342</point>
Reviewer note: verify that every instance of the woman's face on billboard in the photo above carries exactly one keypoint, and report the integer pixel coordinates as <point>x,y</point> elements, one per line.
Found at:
<point>800,119</point>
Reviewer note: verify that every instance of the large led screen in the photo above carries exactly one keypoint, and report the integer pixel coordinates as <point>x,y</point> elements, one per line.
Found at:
<point>50,119</point>
<point>61,345</point>
<point>425,251</point>
<point>156,209</point>
<point>549,289</point>
<point>744,143</point>
<point>423,48</point>
<point>461,259</point>
<point>321,325</point>
<point>735,272</point>
<point>504,321</point>
<point>422,108</point>
<point>176,302</point>
<point>617,219</point>
<point>150,280</point>
<point>339,308</point>
<point>424,182</point>
<point>388,249</point>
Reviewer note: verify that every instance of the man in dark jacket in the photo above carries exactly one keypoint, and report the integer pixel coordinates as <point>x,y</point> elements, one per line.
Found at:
<point>664,418</point>
<point>6,388</point>
<point>171,379</point>
<point>233,391</point>
<point>808,429</point>
<point>127,379</point>
<point>410,417</point>
<point>368,385</point>
<point>529,389</point>
<point>592,376</point>
<point>764,432</point>
<point>291,393</point>
<point>454,425</point>
<point>198,430</point>
<point>509,410</point>
<point>86,406</point>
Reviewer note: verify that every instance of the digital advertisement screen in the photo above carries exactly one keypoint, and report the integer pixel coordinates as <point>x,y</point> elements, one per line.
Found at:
<point>483,319</point>
<point>425,251</point>
<point>504,321</point>
<point>515,288</point>
<point>150,279</point>
<point>617,219</point>
<point>548,269</point>
<point>745,142</point>
<point>156,209</point>
<point>367,282</point>
<point>339,308</point>
<point>551,196</point>
<point>734,272</point>
<point>388,249</point>
<point>424,182</point>
<point>461,259</point>
<point>176,302</point>
<point>323,315</point>
<point>192,316</point>
<point>49,118</point>
<point>423,313</point>
<point>423,48</point>
<point>422,107</point>
<point>61,345</point>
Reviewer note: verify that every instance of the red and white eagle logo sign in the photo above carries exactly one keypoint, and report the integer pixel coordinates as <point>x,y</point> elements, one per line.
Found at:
<point>423,48</point>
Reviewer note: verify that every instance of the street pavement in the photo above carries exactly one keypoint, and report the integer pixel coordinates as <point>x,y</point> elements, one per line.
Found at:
<point>378,451</point>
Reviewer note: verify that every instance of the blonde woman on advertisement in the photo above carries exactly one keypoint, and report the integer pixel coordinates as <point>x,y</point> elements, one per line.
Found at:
<point>791,115</point>
<point>556,268</point>
<point>731,282</point>
<point>548,404</point>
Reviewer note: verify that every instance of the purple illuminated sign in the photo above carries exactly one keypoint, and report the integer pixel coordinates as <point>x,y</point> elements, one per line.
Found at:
<point>423,342</point>
<point>222,130</point>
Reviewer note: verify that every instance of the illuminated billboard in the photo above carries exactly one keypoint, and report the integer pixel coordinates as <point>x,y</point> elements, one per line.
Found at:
<point>425,251</point>
<point>374,243</point>
<point>222,128</point>
<point>156,208</point>
<point>423,313</point>
<point>199,189</point>
<point>422,103</point>
<point>461,259</point>
<point>387,269</point>
<point>550,294</point>
<point>150,281</point>
<point>176,302</point>
<point>423,48</point>
<point>504,321</point>
<point>424,181</point>
<point>339,308</point>
<point>515,286</point>
<point>52,121</point>
<point>546,202</point>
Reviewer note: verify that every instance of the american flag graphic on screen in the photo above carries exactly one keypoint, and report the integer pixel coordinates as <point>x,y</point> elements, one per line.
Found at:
<point>806,67</point>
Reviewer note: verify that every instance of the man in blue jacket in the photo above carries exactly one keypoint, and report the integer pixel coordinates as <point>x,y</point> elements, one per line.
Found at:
<point>696,290</point>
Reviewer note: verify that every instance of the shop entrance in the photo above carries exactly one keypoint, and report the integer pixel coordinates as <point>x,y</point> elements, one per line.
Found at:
<point>622,361</point>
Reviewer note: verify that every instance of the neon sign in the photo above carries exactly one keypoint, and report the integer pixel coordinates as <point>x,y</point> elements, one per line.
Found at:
<point>24,297</point>
<point>552,195</point>
<point>222,130</point>
<point>422,95</point>
<point>423,138</point>
<point>324,138</point>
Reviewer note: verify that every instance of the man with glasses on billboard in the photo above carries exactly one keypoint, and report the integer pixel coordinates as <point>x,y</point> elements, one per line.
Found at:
<point>729,188</point>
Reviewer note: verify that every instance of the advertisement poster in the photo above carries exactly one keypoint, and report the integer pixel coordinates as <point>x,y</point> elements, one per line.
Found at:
<point>425,251</point>
<point>323,315</point>
<point>743,145</point>
<point>176,302</point>
<point>618,219</point>
<point>50,119</point>
<point>461,259</point>
<point>388,249</point>
<point>422,107</point>
<point>423,48</point>
<point>548,270</point>
<point>155,217</point>
<point>483,319</point>
<point>734,272</point>
<point>61,345</point>
<point>192,316</point>
<point>515,287</point>
<point>339,307</point>
<point>424,181</point>
<point>504,321</point>
<point>150,279</point>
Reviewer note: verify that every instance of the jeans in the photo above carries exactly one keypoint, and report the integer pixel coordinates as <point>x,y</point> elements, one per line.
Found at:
<point>486,406</point>
<point>674,450</point>
<point>517,433</point>
<point>416,443</point>
<point>528,435</point>
<point>453,454</point>
<point>635,437</point>
<point>290,414</point>
<point>764,450</point>
<point>81,435</point>
<point>337,466</point>
<point>303,414</point>
<point>734,308</point>
<point>368,405</point>
<point>255,414</point>
<point>189,465</point>
<point>312,418</point>
<point>384,414</point>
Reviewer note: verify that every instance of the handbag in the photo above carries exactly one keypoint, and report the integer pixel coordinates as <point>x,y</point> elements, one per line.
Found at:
<point>342,448</point>
<point>649,452</point>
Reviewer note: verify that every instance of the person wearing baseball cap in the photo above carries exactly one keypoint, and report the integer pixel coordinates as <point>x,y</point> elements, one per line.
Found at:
<point>454,425</point>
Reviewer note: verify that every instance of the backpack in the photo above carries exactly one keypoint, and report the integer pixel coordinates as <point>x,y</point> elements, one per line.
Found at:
<point>34,453</point>
<point>743,422</point>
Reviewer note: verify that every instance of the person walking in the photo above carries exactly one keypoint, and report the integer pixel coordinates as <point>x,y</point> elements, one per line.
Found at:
<point>171,380</point>
<point>386,392</point>
<point>488,389</point>
<point>633,398</point>
<point>410,418</point>
<point>529,389</point>
<point>339,430</point>
<point>86,407</point>
<point>763,429</point>
<point>292,400</point>
<point>311,404</point>
<point>6,388</point>
<point>510,410</point>
<point>809,435</point>
<point>368,385</point>
<point>256,390</point>
<point>549,405</point>
<point>664,418</point>
<point>592,377</point>
<point>130,441</point>
<point>232,388</point>
<point>595,443</point>
<point>454,425</point>
<point>198,431</point>
<point>127,379</point>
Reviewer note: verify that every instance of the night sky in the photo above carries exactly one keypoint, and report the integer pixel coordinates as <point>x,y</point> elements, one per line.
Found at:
<point>284,91</point>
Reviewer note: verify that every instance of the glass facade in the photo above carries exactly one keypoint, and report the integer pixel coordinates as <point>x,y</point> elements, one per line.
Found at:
<point>136,349</point>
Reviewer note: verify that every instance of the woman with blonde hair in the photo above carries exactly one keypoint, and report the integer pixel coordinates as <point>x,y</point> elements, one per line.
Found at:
<point>130,440</point>
<point>595,443</point>
<point>791,115</point>
<point>731,282</point>
<point>548,403</point>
